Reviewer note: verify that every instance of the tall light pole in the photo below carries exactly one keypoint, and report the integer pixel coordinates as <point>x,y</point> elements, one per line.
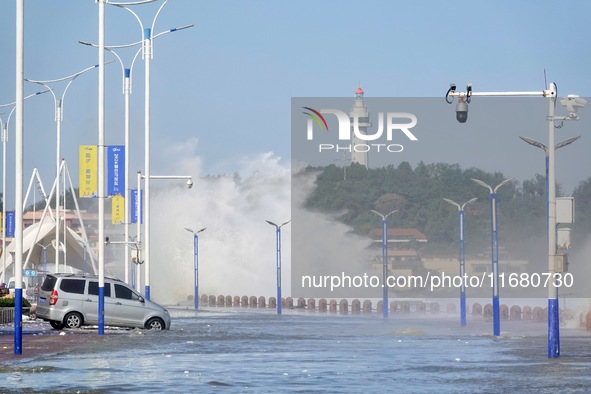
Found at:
<point>196,262</point>
<point>18,189</point>
<point>4,126</point>
<point>127,88</point>
<point>572,103</point>
<point>462,255</point>
<point>101,166</point>
<point>141,176</point>
<point>553,326</point>
<point>59,114</point>
<point>147,55</point>
<point>494,251</point>
<point>126,92</point>
<point>553,307</point>
<point>278,242</point>
<point>384,258</point>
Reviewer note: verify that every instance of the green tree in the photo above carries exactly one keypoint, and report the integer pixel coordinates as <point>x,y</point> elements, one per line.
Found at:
<point>418,193</point>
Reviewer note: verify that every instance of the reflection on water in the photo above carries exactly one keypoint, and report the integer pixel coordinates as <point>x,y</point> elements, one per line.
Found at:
<point>245,351</point>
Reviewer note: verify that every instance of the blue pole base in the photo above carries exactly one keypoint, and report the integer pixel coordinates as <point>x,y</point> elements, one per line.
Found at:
<point>386,307</point>
<point>101,310</point>
<point>553,329</point>
<point>463,310</point>
<point>279,300</point>
<point>496,317</point>
<point>147,292</point>
<point>18,321</point>
<point>196,298</point>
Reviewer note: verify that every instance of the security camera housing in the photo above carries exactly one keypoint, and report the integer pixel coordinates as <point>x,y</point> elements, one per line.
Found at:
<point>462,111</point>
<point>573,103</point>
<point>189,183</point>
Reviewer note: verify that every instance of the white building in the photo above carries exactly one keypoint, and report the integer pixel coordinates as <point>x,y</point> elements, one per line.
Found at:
<point>359,111</point>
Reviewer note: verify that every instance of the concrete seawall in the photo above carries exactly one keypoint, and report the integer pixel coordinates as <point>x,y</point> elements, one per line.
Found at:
<point>356,306</point>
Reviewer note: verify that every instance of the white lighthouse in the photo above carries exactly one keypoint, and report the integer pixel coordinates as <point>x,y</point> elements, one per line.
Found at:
<point>360,112</point>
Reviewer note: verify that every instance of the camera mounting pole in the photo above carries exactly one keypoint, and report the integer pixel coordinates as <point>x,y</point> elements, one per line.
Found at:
<point>572,103</point>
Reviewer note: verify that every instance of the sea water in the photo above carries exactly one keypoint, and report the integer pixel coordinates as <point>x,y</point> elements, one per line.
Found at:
<point>239,350</point>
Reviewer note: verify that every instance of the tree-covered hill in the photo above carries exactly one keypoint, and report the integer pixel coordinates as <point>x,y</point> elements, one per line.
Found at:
<point>418,194</point>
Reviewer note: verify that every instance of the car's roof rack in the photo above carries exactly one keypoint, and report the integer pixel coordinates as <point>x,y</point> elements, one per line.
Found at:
<point>84,275</point>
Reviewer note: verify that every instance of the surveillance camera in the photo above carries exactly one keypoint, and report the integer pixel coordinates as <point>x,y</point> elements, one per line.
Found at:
<point>573,103</point>
<point>189,183</point>
<point>462,111</point>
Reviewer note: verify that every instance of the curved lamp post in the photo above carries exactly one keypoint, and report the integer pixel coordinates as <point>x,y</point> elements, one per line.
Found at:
<point>4,126</point>
<point>572,104</point>
<point>196,262</point>
<point>59,113</point>
<point>278,242</point>
<point>18,175</point>
<point>384,257</point>
<point>127,85</point>
<point>462,255</point>
<point>494,251</point>
<point>147,54</point>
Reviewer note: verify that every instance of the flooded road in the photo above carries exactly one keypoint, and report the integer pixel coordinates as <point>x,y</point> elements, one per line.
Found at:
<point>258,351</point>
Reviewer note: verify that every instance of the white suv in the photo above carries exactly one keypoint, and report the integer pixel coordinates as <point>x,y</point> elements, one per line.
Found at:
<point>71,301</point>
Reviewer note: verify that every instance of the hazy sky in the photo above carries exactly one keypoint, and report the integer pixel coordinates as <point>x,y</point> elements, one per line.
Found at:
<point>221,91</point>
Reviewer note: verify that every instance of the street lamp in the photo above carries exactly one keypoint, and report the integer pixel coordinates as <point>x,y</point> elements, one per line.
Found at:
<point>572,104</point>
<point>196,262</point>
<point>494,251</point>
<point>18,175</point>
<point>462,255</point>
<point>141,176</point>
<point>384,257</point>
<point>147,54</point>
<point>4,126</point>
<point>101,166</point>
<point>278,239</point>
<point>59,114</point>
<point>127,82</point>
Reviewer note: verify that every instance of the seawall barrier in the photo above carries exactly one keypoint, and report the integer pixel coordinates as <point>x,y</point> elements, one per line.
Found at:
<point>356,306</point>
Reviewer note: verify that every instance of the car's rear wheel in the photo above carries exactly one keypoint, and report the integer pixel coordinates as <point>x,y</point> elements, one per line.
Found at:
<point>73,320</point>
<point>56,325</point>
<point>155,324</point>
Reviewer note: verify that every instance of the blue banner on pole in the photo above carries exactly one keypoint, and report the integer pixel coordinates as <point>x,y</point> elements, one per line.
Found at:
<point>136,206</point>
<point>116,170</point>
<point>10,224</point>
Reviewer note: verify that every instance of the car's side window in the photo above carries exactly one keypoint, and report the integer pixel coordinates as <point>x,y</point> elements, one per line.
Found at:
<point>93,289</point>
<point>125,293</point>
<point>73,286</point>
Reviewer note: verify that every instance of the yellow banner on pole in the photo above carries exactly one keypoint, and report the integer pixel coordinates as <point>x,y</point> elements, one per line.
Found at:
<point>117,209</point>
<point>88,171</point>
